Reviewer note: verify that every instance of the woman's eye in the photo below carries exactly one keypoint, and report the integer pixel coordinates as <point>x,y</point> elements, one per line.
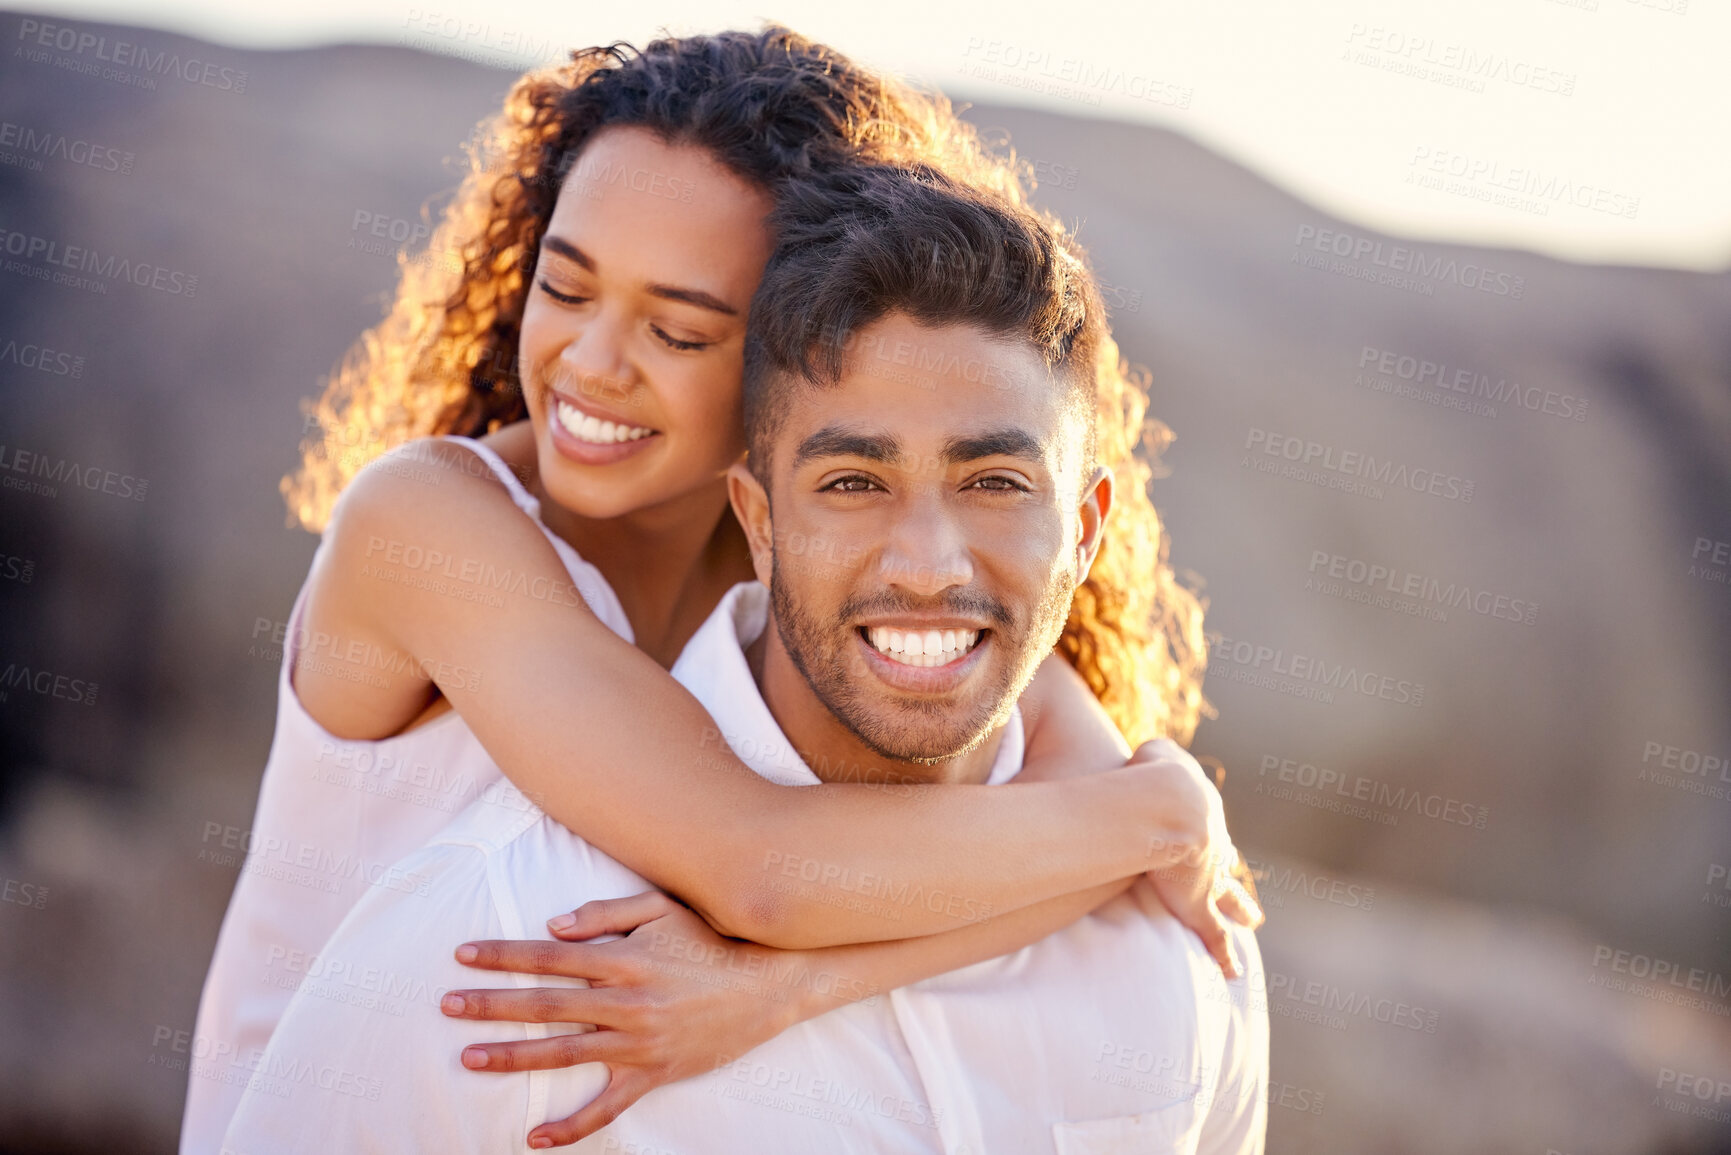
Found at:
<point>675,343</point>
<point>562,298</point>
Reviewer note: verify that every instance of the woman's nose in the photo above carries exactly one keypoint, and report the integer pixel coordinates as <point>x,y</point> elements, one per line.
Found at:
<point>594,363</point>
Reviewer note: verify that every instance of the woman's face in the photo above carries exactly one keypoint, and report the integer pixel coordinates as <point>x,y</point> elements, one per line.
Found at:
<point>633,333</point>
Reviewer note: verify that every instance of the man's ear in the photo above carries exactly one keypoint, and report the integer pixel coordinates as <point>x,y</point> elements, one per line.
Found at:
<point>751,507</point>
<point>1096,507</point>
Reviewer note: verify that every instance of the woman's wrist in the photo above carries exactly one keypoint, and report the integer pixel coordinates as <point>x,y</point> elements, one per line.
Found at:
<point>818,983</point>
<point>1168,806</point>
<point>789,984</point>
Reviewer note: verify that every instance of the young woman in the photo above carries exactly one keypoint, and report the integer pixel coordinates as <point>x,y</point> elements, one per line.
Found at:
<point>512,604</point>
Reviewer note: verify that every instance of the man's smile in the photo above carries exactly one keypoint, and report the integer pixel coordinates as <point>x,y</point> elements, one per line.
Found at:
<point>912,645</point>
<point>941,673</point>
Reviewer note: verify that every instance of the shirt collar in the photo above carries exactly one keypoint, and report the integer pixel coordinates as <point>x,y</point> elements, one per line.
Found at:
<point>714,669</point>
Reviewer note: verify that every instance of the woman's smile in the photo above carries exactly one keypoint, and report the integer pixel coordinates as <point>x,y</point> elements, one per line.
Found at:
<point>590,438</point>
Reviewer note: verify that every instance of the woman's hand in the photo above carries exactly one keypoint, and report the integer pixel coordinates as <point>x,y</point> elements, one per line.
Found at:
<point>671,1000</point>
<point>1199,873</point>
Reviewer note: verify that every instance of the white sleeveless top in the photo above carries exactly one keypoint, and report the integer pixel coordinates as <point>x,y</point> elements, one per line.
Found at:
<point>334,816</point>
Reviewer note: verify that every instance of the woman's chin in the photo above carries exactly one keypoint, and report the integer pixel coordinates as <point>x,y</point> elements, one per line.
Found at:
<point>592,498</point>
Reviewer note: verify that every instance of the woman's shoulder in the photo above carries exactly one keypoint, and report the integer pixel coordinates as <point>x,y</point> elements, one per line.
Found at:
<point>426,478</point>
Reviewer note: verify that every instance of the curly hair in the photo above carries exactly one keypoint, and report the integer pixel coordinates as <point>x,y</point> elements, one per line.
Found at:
<point>770,106</point>
<point>1135,631</point>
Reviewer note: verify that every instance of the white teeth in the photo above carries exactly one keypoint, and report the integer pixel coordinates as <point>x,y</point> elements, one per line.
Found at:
<point>584,427</point>
<point>928,648</point>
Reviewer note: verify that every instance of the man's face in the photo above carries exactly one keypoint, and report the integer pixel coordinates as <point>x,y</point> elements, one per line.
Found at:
<point>926,525</point>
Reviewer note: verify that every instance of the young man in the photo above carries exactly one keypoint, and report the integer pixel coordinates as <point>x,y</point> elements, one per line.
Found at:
<point>922,501</point>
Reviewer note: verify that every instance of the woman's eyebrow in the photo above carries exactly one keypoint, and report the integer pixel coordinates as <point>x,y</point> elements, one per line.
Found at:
<point>569,251</point>
<point>698,297</point>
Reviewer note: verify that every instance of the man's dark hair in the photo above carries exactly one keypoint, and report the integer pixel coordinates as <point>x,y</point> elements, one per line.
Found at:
<point>857,245</point>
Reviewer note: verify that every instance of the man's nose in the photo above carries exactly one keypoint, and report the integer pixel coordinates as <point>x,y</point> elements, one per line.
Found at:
<point>927,551</point>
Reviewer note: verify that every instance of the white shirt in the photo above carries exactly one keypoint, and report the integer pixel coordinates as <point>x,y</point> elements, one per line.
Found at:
<point>1117,1034</point>
<point>334,817</point>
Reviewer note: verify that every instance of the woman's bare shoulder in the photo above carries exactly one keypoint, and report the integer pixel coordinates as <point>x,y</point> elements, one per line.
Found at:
<point>425,484</point>
<point>432,505</point>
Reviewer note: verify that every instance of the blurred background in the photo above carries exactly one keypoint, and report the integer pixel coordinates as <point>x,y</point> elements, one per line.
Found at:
<point>1474,700</point>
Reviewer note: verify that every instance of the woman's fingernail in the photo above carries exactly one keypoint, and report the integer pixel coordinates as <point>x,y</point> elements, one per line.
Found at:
<point>453,1004</point>
<point>540,1141</point>
<point>468,953</point>
<point>474,1058</point>
<point>561,922</point>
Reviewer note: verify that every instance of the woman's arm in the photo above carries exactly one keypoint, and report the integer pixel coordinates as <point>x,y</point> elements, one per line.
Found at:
<point>674,999</point>
<point>1070,735</point>
<point>608,743</point>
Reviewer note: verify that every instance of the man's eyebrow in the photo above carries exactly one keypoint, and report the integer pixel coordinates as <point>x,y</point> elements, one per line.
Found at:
<point>834,441</point>
<point>997,443</point>
<point>696,297</point>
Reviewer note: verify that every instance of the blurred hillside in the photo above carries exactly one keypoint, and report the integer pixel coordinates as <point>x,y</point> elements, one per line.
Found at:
<point>1505,738</point>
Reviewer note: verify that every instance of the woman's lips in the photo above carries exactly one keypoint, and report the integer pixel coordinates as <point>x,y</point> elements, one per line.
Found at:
<point>591,439</point>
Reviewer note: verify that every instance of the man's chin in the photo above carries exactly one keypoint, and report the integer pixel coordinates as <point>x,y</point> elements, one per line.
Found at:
<point>916,734</point>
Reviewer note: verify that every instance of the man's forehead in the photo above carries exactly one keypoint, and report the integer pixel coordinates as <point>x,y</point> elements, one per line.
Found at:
<point>898,349</point>
<point>930,384</point>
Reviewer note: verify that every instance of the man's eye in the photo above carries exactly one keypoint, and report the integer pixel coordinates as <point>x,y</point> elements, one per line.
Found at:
<point>676,343</point>
<point>854,484</point>
<point>562,298</point>
<point>1000,485</point>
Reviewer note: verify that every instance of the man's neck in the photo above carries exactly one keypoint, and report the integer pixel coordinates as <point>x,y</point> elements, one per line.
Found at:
<point>832,751</point>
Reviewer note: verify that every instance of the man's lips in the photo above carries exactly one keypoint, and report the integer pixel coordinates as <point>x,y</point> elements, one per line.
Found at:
<point>922,643</point>
<point>939,679</point>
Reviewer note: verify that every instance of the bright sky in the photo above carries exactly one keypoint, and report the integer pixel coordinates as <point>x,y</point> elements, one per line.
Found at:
<point>1594,130</point>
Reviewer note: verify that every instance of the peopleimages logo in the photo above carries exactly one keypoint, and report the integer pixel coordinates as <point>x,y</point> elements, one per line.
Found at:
<point>1471,384</point>
<point>1287,672</point>
<point>1456,64</point>
<point>60,471</point>
<point>1488,176</point>
<point>1398,259</point>
<point>1038,69</point>
<point>1273,883</point>
<point>1325,788</point>
<point>42,358</point>
<point>46,684</point>
<point>26,147</point>
<point>1403,591</point>
<point>40,34</point>
<point>1349,469</point>
<point>82,259</point>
